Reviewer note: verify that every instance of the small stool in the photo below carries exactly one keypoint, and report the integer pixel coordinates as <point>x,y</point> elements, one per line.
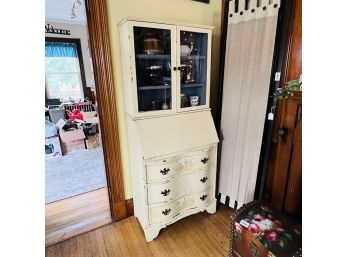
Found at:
<point>258,231</point>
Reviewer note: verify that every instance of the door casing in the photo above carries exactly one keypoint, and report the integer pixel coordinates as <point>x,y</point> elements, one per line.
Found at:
<point>107,107</point>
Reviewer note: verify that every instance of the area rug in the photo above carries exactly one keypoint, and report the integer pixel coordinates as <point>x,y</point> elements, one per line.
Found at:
<point>75,173</point>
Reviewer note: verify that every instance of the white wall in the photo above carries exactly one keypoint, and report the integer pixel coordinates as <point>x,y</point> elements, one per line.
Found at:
<point>81,32</point>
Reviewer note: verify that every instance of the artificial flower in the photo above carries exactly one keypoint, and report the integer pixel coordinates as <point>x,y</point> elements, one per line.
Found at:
<point>271,236</point>
<point>253,228</point>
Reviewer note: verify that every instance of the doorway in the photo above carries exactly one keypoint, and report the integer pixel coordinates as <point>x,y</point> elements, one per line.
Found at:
<point>77,195</point>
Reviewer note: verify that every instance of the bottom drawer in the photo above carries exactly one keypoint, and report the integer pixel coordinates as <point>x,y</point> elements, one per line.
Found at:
<point>163,213</point>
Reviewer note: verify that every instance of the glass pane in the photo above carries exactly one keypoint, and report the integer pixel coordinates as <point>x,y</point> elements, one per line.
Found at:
<point>63,78</point>
<point>193,63</point>
<point>62,64</point>
<point>153,68</point>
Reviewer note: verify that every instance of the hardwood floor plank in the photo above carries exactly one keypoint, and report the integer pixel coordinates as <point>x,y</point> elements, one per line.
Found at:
<point>98,246</point>
<point>119,238</point>
<point>76,215</point>
<point>137,230</point>
<point>84,245</point>
<point>199,235</point>
<point>128,240</point>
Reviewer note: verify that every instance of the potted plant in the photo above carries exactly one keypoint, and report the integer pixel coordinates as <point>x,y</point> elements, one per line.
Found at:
<point>288,90</point>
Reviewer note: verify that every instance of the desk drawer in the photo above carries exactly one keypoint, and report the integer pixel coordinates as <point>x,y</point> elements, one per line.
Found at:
<point>166,212</point>
<point>180,185</point>
<point>164,169</point>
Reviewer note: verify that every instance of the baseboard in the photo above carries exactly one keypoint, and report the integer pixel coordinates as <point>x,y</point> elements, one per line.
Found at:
<point>130,207</point>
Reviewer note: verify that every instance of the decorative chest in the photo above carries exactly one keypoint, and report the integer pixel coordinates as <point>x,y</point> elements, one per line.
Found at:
<point>258,231</point>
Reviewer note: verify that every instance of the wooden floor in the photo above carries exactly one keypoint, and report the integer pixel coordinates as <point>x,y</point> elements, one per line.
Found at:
<point>75,215</point>
<point>198,235</point>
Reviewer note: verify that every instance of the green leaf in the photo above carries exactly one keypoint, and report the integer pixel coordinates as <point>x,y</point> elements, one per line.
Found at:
<point>265,243</point>
<point>281,243</point>
<point>287,235</point>
<point>288,90</point>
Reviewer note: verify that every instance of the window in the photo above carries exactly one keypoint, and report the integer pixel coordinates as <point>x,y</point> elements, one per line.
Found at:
<point>63,73</point>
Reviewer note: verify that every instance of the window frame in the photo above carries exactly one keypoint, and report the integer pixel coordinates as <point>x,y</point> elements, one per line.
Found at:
<point>76,41</point>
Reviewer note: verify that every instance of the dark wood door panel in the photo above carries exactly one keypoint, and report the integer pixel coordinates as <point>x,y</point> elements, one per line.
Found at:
<point>283,187</point>
<point>283,154</point>
<point>294,185</point>
<point>294,63</point>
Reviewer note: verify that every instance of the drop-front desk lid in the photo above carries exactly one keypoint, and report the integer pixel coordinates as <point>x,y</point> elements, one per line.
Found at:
<point>166,135</point>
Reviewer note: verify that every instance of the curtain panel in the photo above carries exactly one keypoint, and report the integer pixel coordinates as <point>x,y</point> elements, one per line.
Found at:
<point>248,63</point>
<point>59,49</point>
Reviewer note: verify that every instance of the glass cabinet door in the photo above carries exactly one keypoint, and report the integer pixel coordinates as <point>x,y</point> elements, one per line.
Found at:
<point>194,60</point>
<point>153,65</point>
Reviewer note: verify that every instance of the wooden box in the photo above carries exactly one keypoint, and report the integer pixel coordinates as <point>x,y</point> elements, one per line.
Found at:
<point>258,231</point>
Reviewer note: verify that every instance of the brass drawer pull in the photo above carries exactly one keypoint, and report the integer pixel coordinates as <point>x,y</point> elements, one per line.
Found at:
<point>204,160</point>
<point>165,171</point>
<point>165,192</point>
<point>166,211</point>
<point>204,179</point>
<point>203,197</point>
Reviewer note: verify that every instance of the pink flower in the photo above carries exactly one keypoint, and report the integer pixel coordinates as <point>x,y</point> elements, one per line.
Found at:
<point>258,217</point>
<point>238,229</point>
<point>253,228</point>
<point>271,236</point>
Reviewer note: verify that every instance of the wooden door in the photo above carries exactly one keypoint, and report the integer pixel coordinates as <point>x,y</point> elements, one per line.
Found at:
<point>283,187</point>
<point>286,186</point>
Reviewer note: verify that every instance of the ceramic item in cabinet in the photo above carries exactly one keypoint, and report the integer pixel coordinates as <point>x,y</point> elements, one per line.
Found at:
<point>165,106</point>
<point>183,101</point>
<point>185,50</point>
<point>188,44</point>
<point>194,100</point>
<point>151,44</point>
<point>188,72</point>
<point>154,75</point>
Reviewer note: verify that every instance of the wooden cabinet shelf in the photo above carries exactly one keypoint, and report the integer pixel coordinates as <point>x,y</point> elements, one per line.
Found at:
<point>152,56</point>
<point>153,87</point>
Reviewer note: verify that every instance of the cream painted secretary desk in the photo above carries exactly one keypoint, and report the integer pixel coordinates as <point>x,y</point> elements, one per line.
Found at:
<point>171,133</point>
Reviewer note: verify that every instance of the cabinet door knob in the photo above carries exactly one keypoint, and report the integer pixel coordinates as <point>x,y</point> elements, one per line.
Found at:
<point>204,179</point>
<point>174,68</point>
<point>203,197</point>
<point>283,133</point>
<point>166,211</point>
<point>204,160</point>
<point>165,192</point>
<point>165,171</point>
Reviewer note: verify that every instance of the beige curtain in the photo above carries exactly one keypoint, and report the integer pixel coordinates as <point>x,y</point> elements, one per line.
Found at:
<point>248,63</point>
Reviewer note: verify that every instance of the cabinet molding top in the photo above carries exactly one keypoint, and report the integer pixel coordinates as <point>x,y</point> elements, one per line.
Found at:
<point>124,20</point>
